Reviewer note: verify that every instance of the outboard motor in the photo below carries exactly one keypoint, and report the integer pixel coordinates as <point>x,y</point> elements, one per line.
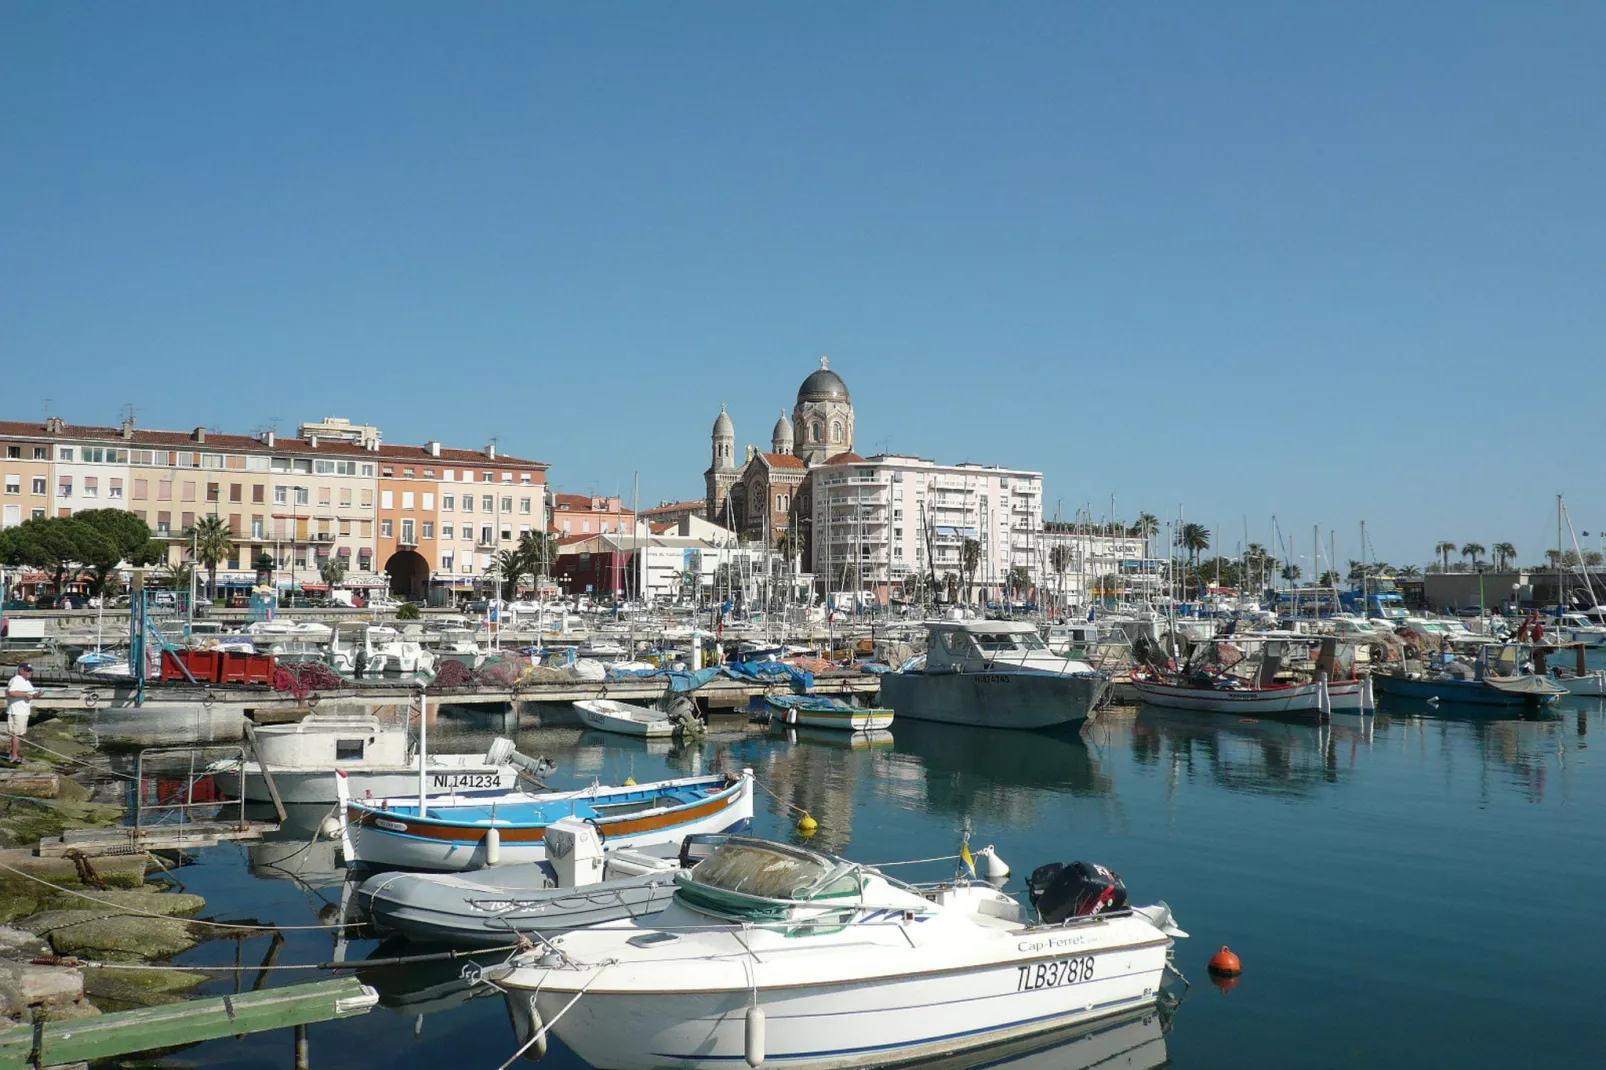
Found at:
<point>502,752</point>
<point>1081,889</point>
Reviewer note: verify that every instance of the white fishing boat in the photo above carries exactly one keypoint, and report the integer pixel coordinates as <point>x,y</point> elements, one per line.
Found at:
<point>775,954</point>
<point>606,715</point>
<point>375,756</point>
<point>993,674</point>
<point>1230,695</point>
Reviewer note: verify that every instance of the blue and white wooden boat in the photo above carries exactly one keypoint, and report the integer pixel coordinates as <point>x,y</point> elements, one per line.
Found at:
<point>1494,677</point>
<point>473,829</point>
<point>821,711</point>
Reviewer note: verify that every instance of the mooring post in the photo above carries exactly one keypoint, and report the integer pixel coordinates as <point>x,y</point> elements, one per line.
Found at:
<point>301,1048</point>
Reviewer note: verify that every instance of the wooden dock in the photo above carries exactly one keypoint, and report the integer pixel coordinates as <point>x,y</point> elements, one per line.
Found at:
<point>131,839</point>
<point>721,693</point>
<point>177,1024</point>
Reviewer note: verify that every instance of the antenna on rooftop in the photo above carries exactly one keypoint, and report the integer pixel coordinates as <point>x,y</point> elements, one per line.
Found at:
<point>129,413</point>
<point>47,407</point>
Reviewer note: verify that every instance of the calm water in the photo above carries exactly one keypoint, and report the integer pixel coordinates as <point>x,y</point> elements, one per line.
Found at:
<point>1416,890</point>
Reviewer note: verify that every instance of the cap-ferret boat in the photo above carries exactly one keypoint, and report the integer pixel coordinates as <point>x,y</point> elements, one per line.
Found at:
<point>473,829</point>
<point>775,954</point>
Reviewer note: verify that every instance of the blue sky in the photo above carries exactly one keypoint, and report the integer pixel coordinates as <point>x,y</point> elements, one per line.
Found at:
<point>1323,262</point>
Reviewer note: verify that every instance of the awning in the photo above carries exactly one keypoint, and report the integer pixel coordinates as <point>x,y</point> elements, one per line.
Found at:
<point>345,551</point>
<point>314,586</point>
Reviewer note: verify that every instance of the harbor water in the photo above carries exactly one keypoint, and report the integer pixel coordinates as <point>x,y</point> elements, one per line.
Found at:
<point>1413,889</point>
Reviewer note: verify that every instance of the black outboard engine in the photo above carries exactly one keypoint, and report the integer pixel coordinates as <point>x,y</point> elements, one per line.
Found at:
<point>1059,891</point>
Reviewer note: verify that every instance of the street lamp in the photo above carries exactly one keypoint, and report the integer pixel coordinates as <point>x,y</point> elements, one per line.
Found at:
<point>295,500</point>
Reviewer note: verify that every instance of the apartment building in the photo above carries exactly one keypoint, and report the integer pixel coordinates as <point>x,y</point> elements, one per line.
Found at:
<point>394,516</point>
<point>590,514</point>
<point>875,520</point>
<point>445,514</point>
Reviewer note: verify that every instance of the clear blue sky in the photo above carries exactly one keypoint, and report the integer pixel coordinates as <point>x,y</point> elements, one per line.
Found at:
<point>1330,262</point>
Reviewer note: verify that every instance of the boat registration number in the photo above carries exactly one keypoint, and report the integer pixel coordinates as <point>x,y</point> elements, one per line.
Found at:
<point>466,780</point>
<point>1053,974</point>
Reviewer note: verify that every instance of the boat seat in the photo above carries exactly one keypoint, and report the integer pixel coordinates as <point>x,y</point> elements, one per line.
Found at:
<point>1002,915</point>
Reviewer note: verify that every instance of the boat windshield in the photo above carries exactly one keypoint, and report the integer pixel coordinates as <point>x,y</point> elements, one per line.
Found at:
<point>772,871</point>
<point>998,641</point>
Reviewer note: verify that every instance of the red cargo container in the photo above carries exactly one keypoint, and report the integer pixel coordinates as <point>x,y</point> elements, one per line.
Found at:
<point>205,665</point>
<point>242,668</point>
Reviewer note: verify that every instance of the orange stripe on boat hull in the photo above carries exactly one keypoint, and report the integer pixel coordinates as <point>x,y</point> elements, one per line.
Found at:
<point>619,826</point>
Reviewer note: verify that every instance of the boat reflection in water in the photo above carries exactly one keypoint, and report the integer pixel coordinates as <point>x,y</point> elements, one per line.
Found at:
<point>299,850</point>
<point>985,773</point>
<point>1260,756</point>
<point>422,988</point>
<point>1135,1041</point>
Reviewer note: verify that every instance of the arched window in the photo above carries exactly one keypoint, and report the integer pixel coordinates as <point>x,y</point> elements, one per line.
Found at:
<point>836,430</point>
<point>816,431</point>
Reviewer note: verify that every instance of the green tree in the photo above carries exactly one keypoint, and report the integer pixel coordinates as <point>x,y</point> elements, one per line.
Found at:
<point>969,562</point>
<point>1194,538</point>
<point>1444,550</point>
<point>408,611</point>
<point>1328,579</point>
<point>128,534</point>
<point>333,570</point>
<point>1504,552</point>
<point>211,543</point>
<point>57,545</point>
<point>1291,572</point>
<point>1472,550</point>
<point>511,564</point>
<point>1146,528</point>
<point>1410,572</point>
<point>1020,581</point>
<point>1594,558</point>
<point>176,576</point>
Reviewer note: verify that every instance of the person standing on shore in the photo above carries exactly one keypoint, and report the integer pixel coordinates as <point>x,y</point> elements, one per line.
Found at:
<point>19,704</point>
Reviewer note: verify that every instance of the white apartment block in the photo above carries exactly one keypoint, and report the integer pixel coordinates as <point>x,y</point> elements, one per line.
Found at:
<point>876,519</point>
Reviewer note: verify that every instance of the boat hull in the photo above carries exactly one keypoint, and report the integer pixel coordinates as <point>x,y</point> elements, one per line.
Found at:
<point>841,719</point>
<point>445,773</point>
<point>1345,696</point>
<point>403,840</point>
<point>848,1023</point>
<point>1021,700</point>
<point>420,906</point>
<point>1463,692</point>
<point>1592,684</point>
<point>608,716</point>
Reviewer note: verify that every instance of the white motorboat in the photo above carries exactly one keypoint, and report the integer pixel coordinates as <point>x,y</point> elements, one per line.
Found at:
<point>358,648</point>
<point>994,674</point>
<point>283,628</point>
<point>780,955</point>
<point>606,715</point>
<point>1578,628</point>
<point>304,756</point>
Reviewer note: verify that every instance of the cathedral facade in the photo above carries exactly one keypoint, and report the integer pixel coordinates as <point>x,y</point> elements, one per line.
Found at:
<point>765,496</point>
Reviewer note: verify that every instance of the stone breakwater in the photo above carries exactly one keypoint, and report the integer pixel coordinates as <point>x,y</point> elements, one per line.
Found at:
<point>58,913</point>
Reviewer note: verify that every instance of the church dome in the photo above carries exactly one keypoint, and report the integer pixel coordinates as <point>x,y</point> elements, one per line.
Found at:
<point>723,427</point>
<point>823,385</point>
<point>782,435</point>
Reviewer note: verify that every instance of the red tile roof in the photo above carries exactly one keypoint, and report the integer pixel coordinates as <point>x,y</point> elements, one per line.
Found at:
<point>783,460</point>
<point>141,437</point>
<point>675,507</point>
<point>582,503</point>
<point>848,457</point>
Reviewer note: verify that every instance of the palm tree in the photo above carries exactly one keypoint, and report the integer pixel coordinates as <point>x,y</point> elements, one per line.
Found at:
<point>510,563</point>
<point>1409,572</point>
<point>333,570</point>
<point>1472,550</point>
<point>1290,572</point>
<point>1444,550</point>
<point>177,575</point>
<point>1328,579</point>
<point>969,561</point>
<point>212,543</point>
<point>1193,538</point>
<point>1503,552</point>
<point>1147,527</point>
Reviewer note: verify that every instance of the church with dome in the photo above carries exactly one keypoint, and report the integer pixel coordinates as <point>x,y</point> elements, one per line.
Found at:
<point>764,495</point>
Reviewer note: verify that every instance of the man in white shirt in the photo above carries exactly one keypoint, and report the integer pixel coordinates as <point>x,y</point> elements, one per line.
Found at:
<point>19,704</point>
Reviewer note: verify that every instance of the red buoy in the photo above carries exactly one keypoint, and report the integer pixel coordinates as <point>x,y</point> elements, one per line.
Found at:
<point>1225,964</point>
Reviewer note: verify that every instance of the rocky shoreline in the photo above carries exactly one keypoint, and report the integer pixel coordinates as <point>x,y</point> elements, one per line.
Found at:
<point>58,913</point>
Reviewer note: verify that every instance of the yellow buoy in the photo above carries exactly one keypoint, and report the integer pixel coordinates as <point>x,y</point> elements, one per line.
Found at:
<point>807,825</point>
<point>630,781</point>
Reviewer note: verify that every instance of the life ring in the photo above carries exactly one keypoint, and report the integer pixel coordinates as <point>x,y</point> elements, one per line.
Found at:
<point>91,699</point>
<point>208,700</point>
<point>312,699</point>
<point>1411,651</point>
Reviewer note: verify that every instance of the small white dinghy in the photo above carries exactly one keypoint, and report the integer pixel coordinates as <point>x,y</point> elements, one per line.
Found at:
<point>765,941</point>
<point>606,715</point>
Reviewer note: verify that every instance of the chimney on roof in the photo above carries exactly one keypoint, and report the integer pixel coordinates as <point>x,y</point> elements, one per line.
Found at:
<point>55,425</point>
<point>433,447</point>
<point>199,434</point>
<point>128,429</point>
<point>312,440</point>
<point>268,439</point>
<point>490,450</point>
